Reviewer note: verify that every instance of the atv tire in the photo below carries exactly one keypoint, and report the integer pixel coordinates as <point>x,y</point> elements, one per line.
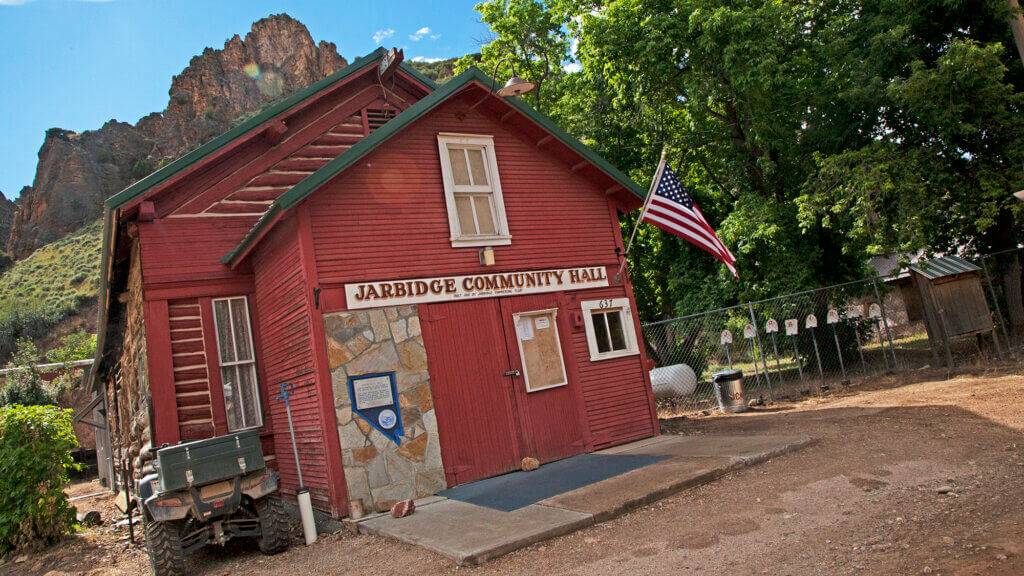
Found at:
<point>166,558</point>
<point>275,525</point>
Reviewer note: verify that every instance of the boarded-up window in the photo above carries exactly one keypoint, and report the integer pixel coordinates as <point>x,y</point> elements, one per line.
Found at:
<point>540,350</point>
<point>237,363</point>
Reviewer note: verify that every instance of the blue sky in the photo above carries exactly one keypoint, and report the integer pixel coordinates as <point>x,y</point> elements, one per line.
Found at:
<point>75,64</point>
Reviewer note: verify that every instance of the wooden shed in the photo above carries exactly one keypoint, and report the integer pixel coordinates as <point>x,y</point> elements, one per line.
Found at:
<point>431,267</point>
<point>953,300</point>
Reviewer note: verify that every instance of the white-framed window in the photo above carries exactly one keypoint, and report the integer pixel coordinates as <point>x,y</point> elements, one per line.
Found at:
<point>540,349</point>
<point>609,326</point>
<point>472,190</point>
<point>237,360</point>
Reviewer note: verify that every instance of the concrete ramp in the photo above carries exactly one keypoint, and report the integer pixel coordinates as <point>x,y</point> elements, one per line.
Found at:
<point>472,534</point>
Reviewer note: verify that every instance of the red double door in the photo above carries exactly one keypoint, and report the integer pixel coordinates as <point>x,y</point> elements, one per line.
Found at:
<point>494,375</point>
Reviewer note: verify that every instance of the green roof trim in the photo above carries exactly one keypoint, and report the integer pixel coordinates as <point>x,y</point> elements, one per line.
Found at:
<point>338,165</point>
<point>162,175</point>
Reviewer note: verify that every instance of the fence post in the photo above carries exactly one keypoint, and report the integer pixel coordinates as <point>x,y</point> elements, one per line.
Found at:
<point>753,320</point>
<point>999,312</point>
<point>885,321</point>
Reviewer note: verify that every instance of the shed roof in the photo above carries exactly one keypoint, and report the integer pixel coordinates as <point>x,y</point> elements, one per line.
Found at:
<point>943,266</point>
<point>314,181</point>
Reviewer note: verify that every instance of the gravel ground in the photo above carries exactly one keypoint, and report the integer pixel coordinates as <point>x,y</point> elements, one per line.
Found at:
<point>910,475</point>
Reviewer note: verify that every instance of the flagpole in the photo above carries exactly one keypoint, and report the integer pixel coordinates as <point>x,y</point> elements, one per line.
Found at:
<point>647,201</point>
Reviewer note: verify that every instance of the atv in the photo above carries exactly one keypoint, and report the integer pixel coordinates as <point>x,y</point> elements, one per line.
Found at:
<point>208,492</point>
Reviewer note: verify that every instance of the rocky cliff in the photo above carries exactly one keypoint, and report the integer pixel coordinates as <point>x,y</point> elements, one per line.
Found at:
<point>7,209</point>
<point>76,172</point>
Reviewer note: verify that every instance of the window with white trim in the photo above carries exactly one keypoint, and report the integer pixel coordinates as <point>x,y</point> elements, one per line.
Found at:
<point>472,190</point>
<point>237,363</point>
<point>609,327</point>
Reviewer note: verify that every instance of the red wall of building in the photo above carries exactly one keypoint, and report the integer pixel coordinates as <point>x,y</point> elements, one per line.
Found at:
<point>386,219</point>
<point>383,219</point>
<point>288,328</point>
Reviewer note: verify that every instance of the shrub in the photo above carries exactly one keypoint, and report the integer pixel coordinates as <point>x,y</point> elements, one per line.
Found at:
<point>104,156</point>
<point>24,386</point>
<point>141,169</point>
<point>35,445</point>
<point>74,346</point>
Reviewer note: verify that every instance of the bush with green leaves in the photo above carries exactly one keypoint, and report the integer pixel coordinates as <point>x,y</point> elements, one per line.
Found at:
<point>24,386</point>
<point>35,458</point>
<point>72,347</point>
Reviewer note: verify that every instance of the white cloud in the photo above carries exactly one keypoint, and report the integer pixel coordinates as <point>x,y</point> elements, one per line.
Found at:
<point>435,36</point>
<point>419,34</point>
<point>427,60</point>
<point>572,67</point>
<point>381,35</point>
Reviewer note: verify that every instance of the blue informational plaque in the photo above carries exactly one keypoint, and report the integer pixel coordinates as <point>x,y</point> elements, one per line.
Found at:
<point>375,399</point>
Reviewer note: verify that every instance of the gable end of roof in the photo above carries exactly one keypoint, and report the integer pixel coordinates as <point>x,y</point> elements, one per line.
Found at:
<point>160,176</point>
<point>338,165</point>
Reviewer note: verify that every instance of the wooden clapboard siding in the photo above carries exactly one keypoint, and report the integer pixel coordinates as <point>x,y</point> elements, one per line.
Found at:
<point>363,220</point>
<point>209,180</point>
<point>313,138</point>
<point>386,219</point>
<point>615,392</point>
<point>286,331</point>
<point>176,251</point>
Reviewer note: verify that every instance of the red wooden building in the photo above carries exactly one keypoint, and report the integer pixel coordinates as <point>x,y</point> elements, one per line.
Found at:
<point>431,266</point>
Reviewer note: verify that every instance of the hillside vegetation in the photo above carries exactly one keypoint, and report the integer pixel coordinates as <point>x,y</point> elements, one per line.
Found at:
<point>48,286</point>
<point>442,70</point>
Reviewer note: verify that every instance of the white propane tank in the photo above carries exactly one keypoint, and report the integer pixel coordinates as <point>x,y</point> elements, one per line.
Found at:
<point>675,380</point>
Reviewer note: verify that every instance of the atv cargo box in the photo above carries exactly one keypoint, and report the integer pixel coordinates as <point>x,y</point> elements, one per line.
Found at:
<point>207,461</point>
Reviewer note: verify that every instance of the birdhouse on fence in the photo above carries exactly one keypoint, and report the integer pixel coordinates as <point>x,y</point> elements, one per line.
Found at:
<point>952,299</point>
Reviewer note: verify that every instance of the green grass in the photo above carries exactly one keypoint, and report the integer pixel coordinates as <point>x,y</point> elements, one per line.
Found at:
<point>48,286</point>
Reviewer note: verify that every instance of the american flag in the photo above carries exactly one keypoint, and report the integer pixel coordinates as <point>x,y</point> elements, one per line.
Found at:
<point>672,209</point>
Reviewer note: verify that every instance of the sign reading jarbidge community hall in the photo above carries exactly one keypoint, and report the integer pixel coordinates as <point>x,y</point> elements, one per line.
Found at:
<point>445,288</point>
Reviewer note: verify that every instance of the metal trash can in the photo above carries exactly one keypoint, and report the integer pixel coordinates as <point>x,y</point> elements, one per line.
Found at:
<point>729,390</point>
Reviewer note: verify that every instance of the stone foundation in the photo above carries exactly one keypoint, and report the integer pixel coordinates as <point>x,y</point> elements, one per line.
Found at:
<point>376,469</point>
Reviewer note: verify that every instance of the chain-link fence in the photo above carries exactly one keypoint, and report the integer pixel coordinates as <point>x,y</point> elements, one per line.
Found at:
<point>811,342</point>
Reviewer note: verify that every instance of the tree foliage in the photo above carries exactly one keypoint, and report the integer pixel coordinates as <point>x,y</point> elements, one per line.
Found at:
<point>531,36</point>
<point>35,445</point>
<point>812,134</point>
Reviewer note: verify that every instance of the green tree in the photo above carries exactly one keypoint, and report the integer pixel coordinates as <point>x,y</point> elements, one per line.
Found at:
<point>812,134</point>
<point>531,36</point>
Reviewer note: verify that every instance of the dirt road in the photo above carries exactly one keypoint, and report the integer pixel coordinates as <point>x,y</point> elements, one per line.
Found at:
<point>909,476</point>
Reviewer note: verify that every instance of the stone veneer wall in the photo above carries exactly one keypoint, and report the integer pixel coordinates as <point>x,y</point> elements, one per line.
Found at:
<point>131,435</point>
<point>376,470</point>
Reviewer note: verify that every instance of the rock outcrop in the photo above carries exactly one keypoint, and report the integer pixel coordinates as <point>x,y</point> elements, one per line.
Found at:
<point>7,209</point>
<point>76,172</point>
